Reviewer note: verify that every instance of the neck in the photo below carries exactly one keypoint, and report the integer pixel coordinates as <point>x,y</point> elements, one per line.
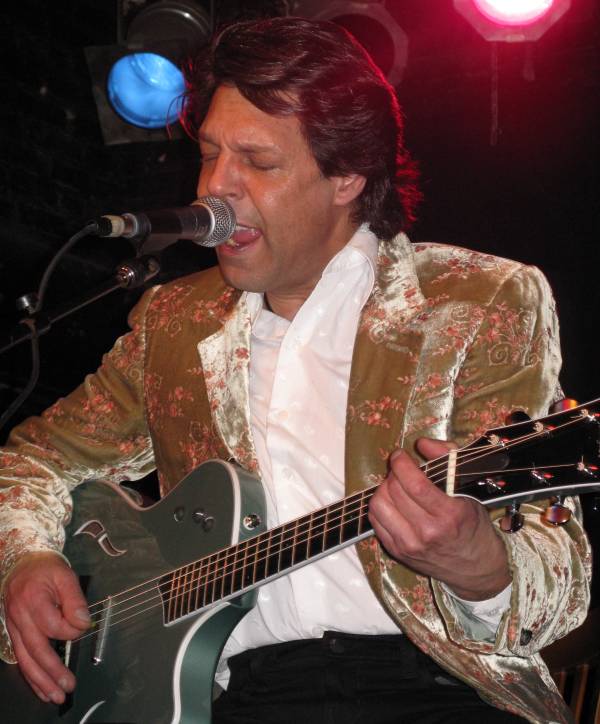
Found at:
<point>284,305</point>
<point>287,302</point>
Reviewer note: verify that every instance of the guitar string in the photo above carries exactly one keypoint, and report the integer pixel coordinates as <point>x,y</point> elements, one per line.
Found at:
<point>197,578</point>
<point>192,583</point>
<point>306,520</point>
<point>350,500</point>
<point>156,600</point>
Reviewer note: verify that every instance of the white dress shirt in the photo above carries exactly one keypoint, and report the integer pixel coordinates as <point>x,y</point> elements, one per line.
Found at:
<point>299,377</point>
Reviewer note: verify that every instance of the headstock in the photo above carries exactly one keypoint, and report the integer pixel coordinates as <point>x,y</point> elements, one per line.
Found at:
<point>549,457</point>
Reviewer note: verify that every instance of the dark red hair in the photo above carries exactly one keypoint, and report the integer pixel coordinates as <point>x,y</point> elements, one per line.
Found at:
<point>348,112</point>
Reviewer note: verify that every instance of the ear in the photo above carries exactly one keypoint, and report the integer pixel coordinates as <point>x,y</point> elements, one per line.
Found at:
<point>348,188</point>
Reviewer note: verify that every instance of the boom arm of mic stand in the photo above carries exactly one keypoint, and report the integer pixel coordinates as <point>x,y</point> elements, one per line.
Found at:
<point>128,275</point>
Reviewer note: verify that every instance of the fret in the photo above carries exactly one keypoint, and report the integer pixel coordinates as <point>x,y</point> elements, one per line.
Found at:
<point>247,575</point>
<point>332,527</point>
<point>361,514</point>
<point>315,536</point>
<point>237,574</point>
<point>300,544</point>
<point>177,592</point>
<point>273,552</point>
<point>260,570</point>
<point>186,590</point>
<point>227,572</point>
<point>209,587</point>
<point>253,544</point>
<point>271,559</point>
<point>221,575</point>
<point>200,583</point>
<point>351,518</point>
<point>287,550</point>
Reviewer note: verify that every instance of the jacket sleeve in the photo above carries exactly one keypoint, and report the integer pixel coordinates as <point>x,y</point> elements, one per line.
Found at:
<point>98,431</point>
<point>513,363</point>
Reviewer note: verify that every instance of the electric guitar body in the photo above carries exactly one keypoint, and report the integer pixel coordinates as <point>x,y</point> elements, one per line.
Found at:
<point>125,672</point>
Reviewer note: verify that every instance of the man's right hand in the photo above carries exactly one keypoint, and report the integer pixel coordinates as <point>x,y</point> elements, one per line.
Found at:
<point>42,601</point>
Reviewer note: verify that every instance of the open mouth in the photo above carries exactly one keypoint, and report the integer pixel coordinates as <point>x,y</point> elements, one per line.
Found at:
<point>242,236</point>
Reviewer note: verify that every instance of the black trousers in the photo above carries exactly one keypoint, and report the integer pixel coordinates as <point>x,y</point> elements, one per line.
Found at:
<point>348,679</point>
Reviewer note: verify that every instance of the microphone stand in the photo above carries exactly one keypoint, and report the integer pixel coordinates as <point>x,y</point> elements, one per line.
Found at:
<point>128,275</point>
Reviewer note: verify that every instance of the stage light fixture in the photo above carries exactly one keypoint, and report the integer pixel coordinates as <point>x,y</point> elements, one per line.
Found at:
<point>512,21</point>
<point>138,83</point>
<point>371,23</point>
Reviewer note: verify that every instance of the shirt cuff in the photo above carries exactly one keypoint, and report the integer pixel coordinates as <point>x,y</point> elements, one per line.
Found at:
<point>488,612</point>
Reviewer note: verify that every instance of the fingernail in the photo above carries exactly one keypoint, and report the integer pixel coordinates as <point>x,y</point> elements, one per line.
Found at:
<point>64,684</point>
<point>83,615</point>
<point>57,697</point>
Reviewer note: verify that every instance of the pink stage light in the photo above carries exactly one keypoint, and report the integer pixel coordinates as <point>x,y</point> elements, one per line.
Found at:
<point>513,12</point>
<point>512,21</point>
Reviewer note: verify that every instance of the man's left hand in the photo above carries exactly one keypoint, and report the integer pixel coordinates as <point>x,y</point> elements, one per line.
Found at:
<point>447,538</point>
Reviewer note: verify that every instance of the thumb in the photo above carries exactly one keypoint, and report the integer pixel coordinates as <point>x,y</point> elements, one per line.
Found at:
<point>71,599</point>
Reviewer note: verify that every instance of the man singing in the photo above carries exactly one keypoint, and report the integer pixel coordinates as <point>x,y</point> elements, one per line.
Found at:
<point>325,354</point>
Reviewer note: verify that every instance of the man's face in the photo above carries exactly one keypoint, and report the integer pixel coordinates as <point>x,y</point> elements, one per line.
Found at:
<point>291,220</point>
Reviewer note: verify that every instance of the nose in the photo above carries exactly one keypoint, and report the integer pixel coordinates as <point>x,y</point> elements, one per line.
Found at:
<point>220,177</point>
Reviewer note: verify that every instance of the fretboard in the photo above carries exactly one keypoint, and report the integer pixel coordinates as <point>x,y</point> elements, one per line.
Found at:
<point>231,571</point>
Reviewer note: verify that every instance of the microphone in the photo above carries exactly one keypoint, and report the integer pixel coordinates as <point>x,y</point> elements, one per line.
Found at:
<point>209,221</point>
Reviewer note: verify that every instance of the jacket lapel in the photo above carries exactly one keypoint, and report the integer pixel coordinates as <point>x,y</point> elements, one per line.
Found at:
<point>384,366</point>
<point>225,359</point>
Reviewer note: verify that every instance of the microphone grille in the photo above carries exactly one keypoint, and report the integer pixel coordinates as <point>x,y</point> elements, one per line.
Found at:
<point>224,220</point>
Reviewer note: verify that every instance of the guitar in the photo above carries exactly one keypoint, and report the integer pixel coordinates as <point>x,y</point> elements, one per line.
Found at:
<point>168,583</point>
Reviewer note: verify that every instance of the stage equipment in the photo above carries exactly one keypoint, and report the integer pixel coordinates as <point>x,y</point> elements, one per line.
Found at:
<point>371,23</point>
<point>512,21</point>
<point>137,83</point>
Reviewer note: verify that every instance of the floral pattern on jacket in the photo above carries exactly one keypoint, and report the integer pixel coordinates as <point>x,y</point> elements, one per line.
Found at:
<point>449,342</point>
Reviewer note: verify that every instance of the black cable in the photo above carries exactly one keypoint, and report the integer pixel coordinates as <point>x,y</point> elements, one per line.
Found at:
<point>86,231</point>
<point>33,376</point>
<point>31,323</point>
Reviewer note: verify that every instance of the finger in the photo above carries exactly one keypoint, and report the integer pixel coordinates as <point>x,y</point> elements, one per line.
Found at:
<point>406,474</point>
<point>72,603</point>
<point>430,448</point>
<point>393,521</point>
<point>47,614</point>
<point>39,680</point>
<point>43,655</point>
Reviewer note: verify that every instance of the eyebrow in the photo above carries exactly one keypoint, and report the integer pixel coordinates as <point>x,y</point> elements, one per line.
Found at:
<point>244,147</point>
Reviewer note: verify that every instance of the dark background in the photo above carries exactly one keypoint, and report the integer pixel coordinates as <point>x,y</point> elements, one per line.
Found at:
<point>533,196</point>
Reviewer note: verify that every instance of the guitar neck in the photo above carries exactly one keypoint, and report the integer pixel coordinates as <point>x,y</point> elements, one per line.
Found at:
<point>556,455</point>
<point>243,566</point>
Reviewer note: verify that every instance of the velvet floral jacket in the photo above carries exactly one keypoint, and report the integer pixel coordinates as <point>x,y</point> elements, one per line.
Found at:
<point>450,342</point>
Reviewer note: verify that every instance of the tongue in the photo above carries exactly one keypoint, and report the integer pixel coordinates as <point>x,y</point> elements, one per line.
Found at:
<point>245,234</point>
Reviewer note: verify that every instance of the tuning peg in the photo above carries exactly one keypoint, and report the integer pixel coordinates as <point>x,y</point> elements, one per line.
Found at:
<point>512,520</point>
<point>556,513</point>
<point>567,403</point>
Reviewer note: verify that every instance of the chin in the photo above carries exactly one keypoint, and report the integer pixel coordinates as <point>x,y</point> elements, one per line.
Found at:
<point>243,282</point>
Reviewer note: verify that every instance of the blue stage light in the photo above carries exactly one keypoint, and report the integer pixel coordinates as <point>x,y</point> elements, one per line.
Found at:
<point>145,89</point>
